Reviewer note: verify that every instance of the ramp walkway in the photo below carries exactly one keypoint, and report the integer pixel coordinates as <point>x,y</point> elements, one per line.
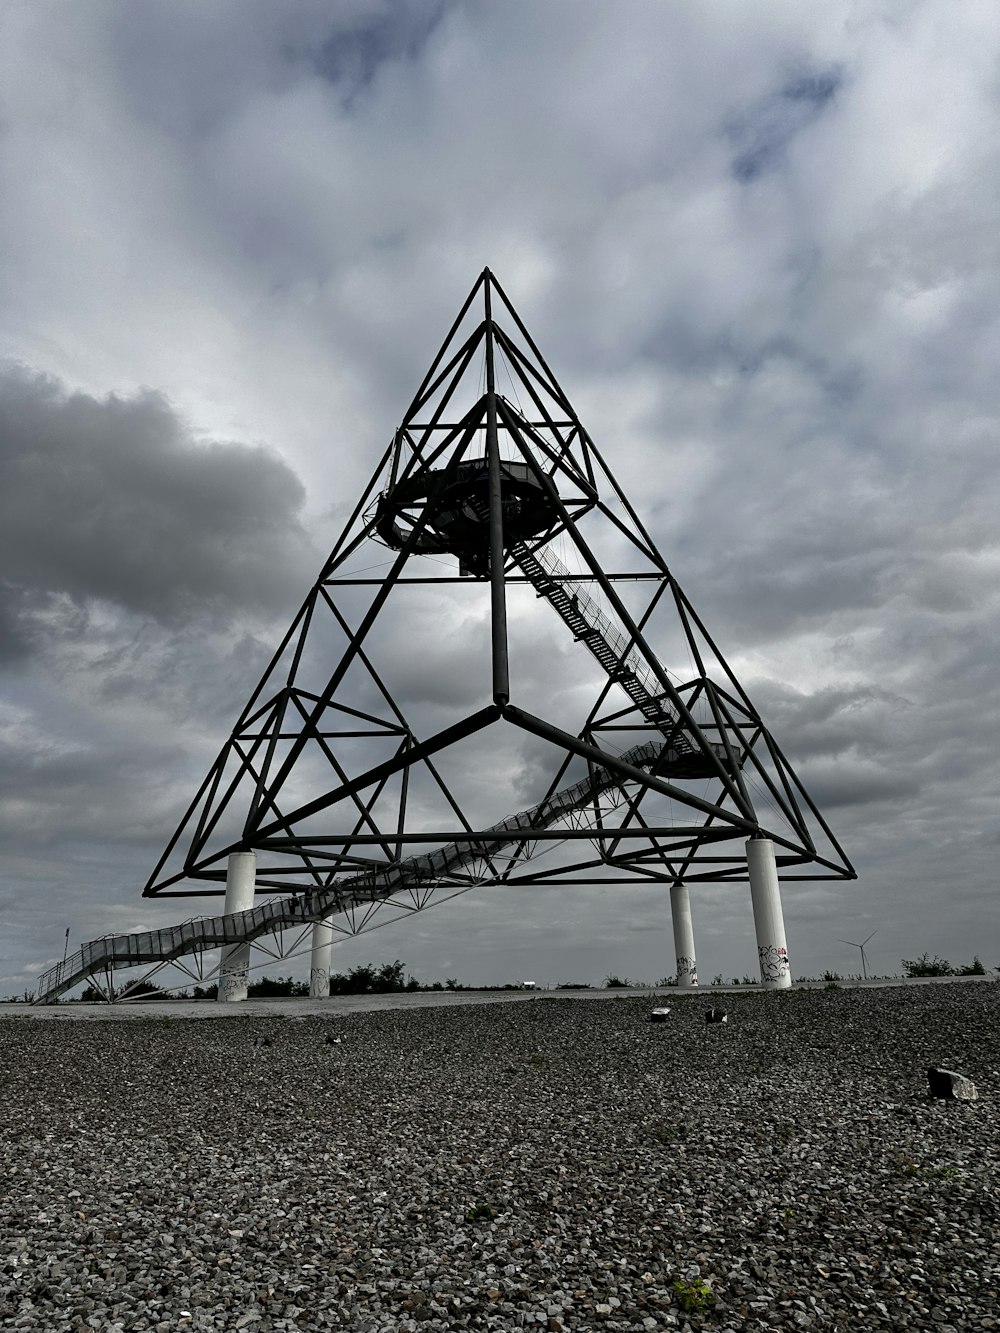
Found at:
<point>378,884</point>
<point>677,756</point>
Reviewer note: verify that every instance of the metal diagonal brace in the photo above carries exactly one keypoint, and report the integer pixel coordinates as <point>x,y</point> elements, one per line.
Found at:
<point>528,722</point>
<point>468,727</point>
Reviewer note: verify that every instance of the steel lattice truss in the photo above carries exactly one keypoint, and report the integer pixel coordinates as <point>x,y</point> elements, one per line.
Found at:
<point>509,651</point>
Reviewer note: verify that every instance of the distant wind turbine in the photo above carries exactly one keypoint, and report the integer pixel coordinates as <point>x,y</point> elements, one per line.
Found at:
<point>864,960</point>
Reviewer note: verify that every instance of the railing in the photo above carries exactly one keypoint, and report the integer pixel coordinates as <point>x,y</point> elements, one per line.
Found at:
<point>626,655</point>
<point>622,661</point>
<point>374,885</point>
<point>618,655</point>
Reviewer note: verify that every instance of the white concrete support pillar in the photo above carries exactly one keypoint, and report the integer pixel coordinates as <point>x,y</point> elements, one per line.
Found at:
<point>319,968</point>
<point>680,912</point>
<point>234,973</point>
<point>772,951</point>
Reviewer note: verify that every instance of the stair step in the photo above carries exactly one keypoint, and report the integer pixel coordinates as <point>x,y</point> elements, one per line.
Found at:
<point>613,663</point>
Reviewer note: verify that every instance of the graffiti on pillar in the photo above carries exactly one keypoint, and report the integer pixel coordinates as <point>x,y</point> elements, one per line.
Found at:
<point>687,972</point>
<point>233,981</point>
<point>773,962</point>
<point>319,981</point>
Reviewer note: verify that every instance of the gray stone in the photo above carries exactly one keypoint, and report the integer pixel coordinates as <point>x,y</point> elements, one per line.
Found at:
<point>947,1084</point>
<point>605,1191</point>
<point>658,1015</point>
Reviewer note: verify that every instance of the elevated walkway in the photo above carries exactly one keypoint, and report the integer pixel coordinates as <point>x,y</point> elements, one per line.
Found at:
<point>372,886</point>
<point>677,756</point>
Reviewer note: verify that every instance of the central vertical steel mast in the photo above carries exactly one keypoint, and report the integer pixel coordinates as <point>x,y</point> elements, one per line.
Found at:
<point>498,588</point>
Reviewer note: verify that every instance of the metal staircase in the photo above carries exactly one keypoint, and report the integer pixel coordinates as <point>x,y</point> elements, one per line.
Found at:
<point>375,885</point>
<point>617,656</point>
<point>623,662</point>
<point>676,757</point>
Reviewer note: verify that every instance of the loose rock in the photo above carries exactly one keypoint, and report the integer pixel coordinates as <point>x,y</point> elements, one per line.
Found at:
<point>945,1083</point>
<point>516,1165</point>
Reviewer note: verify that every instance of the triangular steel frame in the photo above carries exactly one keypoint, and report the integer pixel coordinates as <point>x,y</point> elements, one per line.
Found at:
<point>484,487</point>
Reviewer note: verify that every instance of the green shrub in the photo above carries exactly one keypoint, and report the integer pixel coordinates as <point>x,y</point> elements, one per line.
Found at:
<point>694,1297</point>
<point>274,987</point>
<point>925,966</point>
<point>973,969</point>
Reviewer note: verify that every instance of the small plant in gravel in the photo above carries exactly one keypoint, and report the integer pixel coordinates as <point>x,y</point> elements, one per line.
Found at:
<point>949,1173</point>
<point>694,1297</point>
<point>480,1212</point>
<point>665,1132</point>
<point>940,1172</point>
<point>906,1166</point>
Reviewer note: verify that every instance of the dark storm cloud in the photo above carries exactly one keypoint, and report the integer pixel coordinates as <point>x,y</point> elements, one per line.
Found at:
<point>855,784</point>
<point>763,132</point>
<point>18,633</point>
<point>351,56</point>
<point>114,500</point>
<point>759,250</point>
<point>834,720</point>
<point>66,790</point>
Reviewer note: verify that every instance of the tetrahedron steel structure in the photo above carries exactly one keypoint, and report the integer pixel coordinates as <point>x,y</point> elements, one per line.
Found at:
<point>494,629</point>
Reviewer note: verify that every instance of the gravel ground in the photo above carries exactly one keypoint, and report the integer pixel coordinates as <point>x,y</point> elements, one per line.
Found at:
<point>552,1164</point>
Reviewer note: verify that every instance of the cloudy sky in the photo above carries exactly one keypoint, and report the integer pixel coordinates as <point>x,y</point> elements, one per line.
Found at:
<point>757,244</point>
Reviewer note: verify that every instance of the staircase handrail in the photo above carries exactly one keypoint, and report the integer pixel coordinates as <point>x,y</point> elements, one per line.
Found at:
<point>373,885</point>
